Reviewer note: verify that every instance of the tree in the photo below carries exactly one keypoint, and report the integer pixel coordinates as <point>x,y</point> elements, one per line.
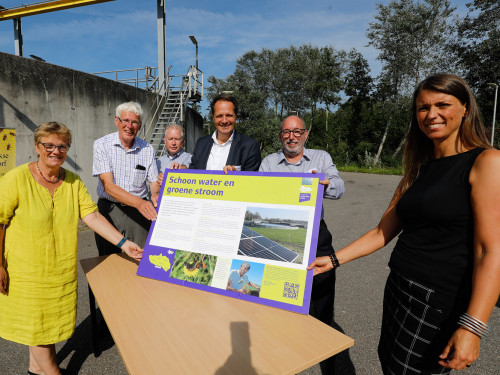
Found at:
<point>477,49</point>
<point>321,75</point>
<point>358,83</point>
<point>269,85</point>
<point>477,45</point>
<point>411,37</point>
<point>357,87</point>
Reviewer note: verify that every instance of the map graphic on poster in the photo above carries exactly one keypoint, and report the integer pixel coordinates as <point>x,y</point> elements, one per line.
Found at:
<point>7,150</point>
<point>247,235</point>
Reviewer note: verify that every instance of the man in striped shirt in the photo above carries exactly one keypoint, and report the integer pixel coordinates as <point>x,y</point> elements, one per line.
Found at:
<point>124,164</point>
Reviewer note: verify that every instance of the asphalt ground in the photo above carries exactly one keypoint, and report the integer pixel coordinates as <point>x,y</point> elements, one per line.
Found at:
<point>358,303</point>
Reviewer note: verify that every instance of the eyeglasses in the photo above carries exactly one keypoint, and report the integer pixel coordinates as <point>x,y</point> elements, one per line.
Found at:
<point>49,147</point>
<point>128,122</point>
<point>296,132</point>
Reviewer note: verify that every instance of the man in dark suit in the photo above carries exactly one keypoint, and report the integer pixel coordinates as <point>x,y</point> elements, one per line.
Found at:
<point>225,149</point>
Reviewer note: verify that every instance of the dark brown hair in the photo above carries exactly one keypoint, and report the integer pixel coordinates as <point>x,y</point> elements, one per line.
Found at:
<point>418,148</point>
<point>224,98</point>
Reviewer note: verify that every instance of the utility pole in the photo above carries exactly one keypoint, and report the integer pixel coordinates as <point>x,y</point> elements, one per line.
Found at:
<point>18,36</point>
<point>494,111</point>
<point>162,57</point>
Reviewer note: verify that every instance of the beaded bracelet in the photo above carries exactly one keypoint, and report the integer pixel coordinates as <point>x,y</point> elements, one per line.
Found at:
<point>474,325</point>
<point>334,260</point>
<point>122,241</point>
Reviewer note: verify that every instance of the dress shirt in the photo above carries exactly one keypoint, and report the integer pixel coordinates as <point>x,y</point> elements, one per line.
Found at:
<point>318,160</point>
<point>219,153</point>
<point>111,156</point>
<point>182,157</point>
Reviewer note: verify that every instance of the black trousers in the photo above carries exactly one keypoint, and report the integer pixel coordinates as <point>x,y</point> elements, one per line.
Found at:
<point>127,220</point>
<point>323,292</point>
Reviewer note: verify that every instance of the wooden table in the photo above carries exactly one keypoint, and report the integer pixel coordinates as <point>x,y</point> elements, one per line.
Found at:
<point>162,328</point>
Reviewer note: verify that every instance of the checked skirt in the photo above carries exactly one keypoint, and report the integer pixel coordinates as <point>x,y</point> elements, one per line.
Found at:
<point>413,334</point>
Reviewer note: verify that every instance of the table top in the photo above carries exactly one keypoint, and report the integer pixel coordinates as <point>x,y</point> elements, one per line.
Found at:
<point>162,328</point>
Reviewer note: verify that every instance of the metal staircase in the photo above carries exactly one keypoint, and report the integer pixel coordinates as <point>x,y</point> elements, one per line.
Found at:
<point>181,90</point>
<point>172,98</point>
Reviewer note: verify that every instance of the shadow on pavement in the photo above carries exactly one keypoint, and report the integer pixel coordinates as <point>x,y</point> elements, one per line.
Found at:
<point>343,363</point>
<point>80,344</point>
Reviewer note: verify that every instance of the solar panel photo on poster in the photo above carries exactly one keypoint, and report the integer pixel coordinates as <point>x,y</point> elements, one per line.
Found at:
<point>248,232</point>
<point>255,245</point>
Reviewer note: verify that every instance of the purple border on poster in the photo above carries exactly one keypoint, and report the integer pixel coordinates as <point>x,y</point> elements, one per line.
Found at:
<point>147,269</point>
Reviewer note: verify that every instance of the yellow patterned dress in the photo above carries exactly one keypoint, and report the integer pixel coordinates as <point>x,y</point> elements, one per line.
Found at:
<point>40,256</point>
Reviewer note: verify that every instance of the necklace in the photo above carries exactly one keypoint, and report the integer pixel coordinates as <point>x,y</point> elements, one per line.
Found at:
<point>50,182</point>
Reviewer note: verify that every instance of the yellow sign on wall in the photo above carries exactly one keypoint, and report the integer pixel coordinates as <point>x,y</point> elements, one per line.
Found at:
<point>7,150</point>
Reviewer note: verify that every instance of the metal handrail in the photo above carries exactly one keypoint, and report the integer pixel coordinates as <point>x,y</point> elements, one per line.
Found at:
<point>190,89</point>
<point>185,89</point>
<point>157,104</point>
<point>149,78</point>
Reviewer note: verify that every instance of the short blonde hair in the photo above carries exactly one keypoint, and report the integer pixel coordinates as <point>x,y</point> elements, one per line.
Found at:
<point>53,127</point>
<point>175,126</point>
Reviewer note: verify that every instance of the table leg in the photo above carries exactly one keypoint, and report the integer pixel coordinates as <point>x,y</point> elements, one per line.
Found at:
<point>93,321</point>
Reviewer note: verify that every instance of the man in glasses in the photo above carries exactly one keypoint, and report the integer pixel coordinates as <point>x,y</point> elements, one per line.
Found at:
<point>124,164</point>
<point>226,149</point>
<point>294,157</point>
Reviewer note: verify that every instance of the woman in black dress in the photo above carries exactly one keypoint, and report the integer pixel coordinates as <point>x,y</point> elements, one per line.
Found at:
<point>445,267</point>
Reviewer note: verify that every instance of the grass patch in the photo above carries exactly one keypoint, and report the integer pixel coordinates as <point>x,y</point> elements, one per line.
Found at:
<point>291,239</point>
<point>385,171</point>
<point>297,236</point>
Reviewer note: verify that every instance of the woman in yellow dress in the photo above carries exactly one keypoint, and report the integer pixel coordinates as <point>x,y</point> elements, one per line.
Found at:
<point>40,204</point>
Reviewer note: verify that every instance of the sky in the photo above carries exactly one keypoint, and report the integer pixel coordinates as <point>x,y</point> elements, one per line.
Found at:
<point>255,273</point>
<point>122,34</point>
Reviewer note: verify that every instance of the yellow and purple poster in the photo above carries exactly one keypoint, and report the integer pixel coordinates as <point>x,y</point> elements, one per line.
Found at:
<point>248,235</point>
<point>7,150</point>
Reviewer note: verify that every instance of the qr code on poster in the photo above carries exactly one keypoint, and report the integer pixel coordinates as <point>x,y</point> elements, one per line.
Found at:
<point>291,290</point>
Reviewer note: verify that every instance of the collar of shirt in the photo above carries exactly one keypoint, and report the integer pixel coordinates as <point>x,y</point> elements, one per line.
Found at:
<point>227,143</point>
<point>118,142</point>
<point>219,153</point>
<point>176,155</point>
<point>305,155</point>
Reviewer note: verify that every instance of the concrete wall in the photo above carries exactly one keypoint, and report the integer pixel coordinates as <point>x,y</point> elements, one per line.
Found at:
<point>193,127</point>
<point>32,92</point>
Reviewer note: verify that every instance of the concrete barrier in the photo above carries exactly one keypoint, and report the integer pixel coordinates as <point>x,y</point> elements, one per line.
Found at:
<point>32,92</point>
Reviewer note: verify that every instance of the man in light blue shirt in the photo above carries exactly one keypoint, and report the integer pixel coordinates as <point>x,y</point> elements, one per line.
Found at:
<point>238,279</point>
<point>295,158</point>
<point>174,144</point>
